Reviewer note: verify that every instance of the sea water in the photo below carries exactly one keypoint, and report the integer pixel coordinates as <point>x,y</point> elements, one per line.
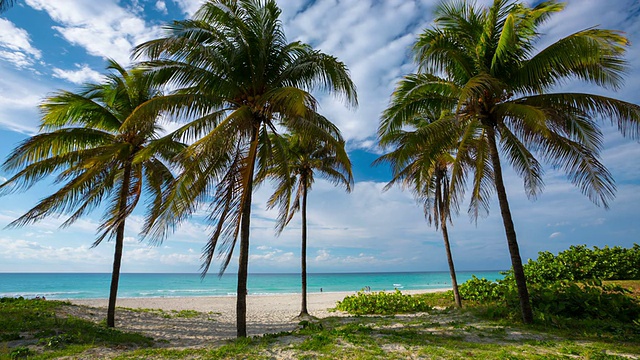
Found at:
<point>142,285</point>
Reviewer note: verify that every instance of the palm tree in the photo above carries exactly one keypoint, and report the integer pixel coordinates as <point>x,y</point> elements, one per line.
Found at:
<point>241,80</point>
<point>426,173</point>
<point>484,64</point>
<point>300,158</point>
<point>5,5</point>
<point>101,147</point>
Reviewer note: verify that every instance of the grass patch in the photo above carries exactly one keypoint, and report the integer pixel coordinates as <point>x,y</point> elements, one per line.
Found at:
<point>40,333</point>
<point>172,314</point>
<point>474,332</point>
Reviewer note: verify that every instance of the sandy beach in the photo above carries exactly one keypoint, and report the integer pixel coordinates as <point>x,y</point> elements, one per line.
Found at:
<point>216,320</point>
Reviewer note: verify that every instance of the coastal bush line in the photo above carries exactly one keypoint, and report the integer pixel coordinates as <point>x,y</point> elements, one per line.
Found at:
<point>568,286</point>
<point>582,263</point>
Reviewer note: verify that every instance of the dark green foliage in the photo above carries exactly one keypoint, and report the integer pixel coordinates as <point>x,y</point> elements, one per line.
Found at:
<point>591,300</point>
<point>581,263</point>
<point>382,303</point>
<point>20,352</point>
<point>567,286</point>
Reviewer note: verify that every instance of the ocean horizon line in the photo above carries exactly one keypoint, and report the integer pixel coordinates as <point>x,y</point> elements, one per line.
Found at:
<point>259,273</point>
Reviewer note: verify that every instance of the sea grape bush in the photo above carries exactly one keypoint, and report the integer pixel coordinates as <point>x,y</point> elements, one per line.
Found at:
<point>581,263</point>
<point>481,289</point>
<point>569,285</point>
<point>589,300</point>
<point>382,303</point>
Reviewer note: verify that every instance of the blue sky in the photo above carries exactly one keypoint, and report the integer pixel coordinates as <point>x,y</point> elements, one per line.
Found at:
<point>47,45</point>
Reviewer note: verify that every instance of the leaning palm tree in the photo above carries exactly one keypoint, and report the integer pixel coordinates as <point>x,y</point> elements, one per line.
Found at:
<point>240,80</point>
<point>426,173</point>
<point>101,148</point>
<point>483,63</point>
<point>299,159</point>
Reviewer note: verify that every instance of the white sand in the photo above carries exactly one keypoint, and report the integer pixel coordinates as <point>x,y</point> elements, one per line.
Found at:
<point>265,314</point>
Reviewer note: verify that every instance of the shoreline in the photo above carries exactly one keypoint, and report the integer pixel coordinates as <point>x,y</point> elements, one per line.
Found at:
<point>322,297</point>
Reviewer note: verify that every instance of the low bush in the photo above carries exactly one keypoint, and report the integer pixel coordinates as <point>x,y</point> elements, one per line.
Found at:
<point>581,263</point>
<point>382,303</point>
<point>481,290</point>
<point>560,299</point>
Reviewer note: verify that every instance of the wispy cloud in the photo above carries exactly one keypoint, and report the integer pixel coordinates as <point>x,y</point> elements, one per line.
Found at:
<point>15,45</point>
<point>81,75</point>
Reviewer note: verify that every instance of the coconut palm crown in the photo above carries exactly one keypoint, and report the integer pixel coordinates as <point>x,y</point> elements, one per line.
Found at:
<point>101,149</point>
<point>416,167</point>
<point>239,80</point>
<point>483,63</point>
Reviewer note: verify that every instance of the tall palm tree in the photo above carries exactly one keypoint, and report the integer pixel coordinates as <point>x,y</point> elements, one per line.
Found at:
<point>427,174</point>
<point>101,147</point>
<point>241,80</point>
<point>483,63</point>
<point>300,158</point>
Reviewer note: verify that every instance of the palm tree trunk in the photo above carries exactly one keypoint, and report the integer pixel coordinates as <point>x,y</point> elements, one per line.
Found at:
<point>117,257</point>
<point>452,269</point>
<point>303,310</point>
<point>245,225</point>
<point>514,251</point>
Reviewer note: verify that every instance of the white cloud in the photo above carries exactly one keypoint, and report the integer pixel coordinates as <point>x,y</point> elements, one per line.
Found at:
<point>188,7</point>
<point>161,6</point>
<point>15,45</point>
<point>323,255</point>
<point>34,251</point>
<point>83,74</point>
<point>555,235</point>
<point>103,28</point>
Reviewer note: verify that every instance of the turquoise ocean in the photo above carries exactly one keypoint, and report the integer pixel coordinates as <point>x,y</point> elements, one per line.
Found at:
<point>143,285</point>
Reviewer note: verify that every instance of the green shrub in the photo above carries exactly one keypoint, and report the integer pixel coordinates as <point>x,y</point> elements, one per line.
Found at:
<point>591,300</point>
<point>581,263</point>
<point>20,352</point>
<point>481,290</point>
<point>559,299</point>
<point>382,303</point>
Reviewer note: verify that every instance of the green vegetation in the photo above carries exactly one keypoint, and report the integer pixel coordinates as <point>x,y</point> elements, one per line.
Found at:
<point>480,331</point>
<point>440,334</point>
<point>171,314</point>
<point>585,304</point>
<point>382,303</point>
<point>35,328</point>
<point>581,263</point>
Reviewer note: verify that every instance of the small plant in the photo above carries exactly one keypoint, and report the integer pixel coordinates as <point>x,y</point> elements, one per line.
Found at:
<point>58,341</point>
<point>310,325</point>
<point>20,352</point>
